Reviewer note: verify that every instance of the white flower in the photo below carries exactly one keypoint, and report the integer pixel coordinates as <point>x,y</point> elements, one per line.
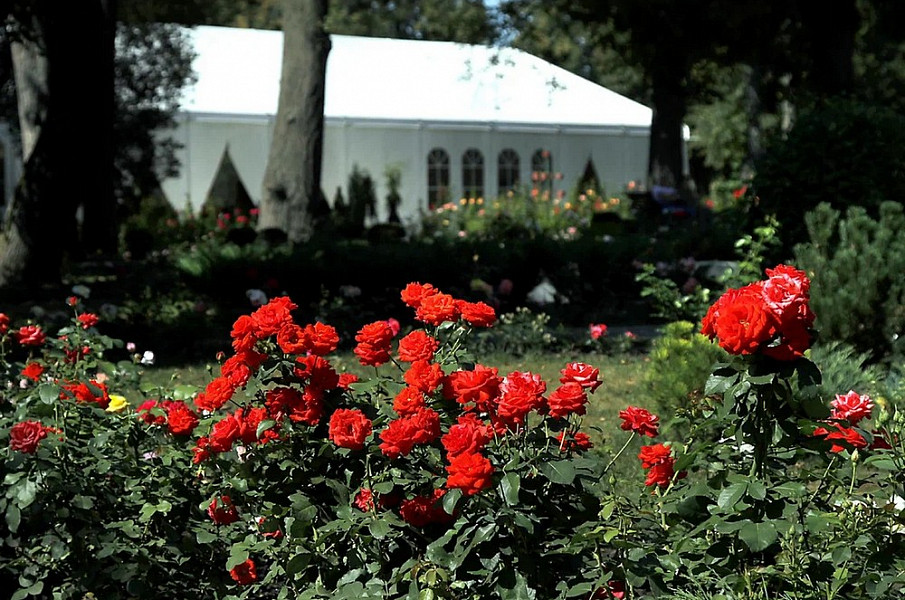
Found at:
<point>82,290</point>
<point>130,346</point>
<point>147,358</point>
<point>256,297</point>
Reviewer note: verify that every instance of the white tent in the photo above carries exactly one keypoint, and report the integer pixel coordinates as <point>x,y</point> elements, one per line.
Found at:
<point>455,119</point>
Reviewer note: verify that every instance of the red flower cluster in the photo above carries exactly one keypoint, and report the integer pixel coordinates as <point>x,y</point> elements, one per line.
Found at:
<point>33,371</point>
<point>176,415</point>
<point>851,408</point>
<point>4,323</point>
<point>772,316</point>
<point>25,436</point>
<point>659,460</point>
<point>244,573</point>
<point>434,307</point>
<point>374,344</point>
<point>93,391</point>
<point>403,434</point>
<point>597,330</point>
<point>424,510</point>
<point>640,421</point>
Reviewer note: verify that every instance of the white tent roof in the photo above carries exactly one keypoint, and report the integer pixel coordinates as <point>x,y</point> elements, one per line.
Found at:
<point>404,80</point>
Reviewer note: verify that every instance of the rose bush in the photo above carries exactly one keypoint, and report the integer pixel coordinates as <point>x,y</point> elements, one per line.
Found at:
<point>439,476</point>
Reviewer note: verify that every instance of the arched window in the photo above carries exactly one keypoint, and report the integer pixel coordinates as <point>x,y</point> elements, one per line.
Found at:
<point>437,177</point>
<point>473,173</point>
<point>507,170</point>
<point>542,162</point>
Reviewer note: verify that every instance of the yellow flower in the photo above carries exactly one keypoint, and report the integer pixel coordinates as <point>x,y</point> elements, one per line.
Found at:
<point>117,403</point>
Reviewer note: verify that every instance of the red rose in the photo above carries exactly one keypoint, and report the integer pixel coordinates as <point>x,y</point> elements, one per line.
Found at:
<point>244,333</point>
<point>364,500</point>
<point>299,407</point>
<point>740,320</point>
<point>32,371</point>
<point>424,510</point>
<point>520,393</point>
<point>30,335</point>
<point>244,573</point>
<point>25,436</point>
<point>201,451</point>
<point>470,473</point>
<point>292,339</point>
<point>4,323</point>
<point>417,345</point>
<point>568,399</point>
<point>181,420</point>
<point>424,376</point>
<point>577,442</point>
<point>477,314</point>
<point>224,433</point>
<point>347,379</point>
<point>217,393</point>
<point>468,436</point>
<point>237,371</point>
<point>583,374</point>
<point>151,412</point>
<point>852,407</point>
<point>87,320</point>
<point>349,428</point>
<point>222,511</point>
<point>640,421</point>
<point>658,460</point>
<point>414,293</point>
<point>271,317</point>
<point>479,387</point>
<point>597,330</point>
<point>436,309</point>
<point>425,426</point>
<point>317,371</point>
<point>847,436</point>
<point>322,339</point>
<point>408,401</point>
<point>93,391</point>
<point>374,341</point>
<point>785,289</point>
<point>249,419</point>
<point>394,326</point>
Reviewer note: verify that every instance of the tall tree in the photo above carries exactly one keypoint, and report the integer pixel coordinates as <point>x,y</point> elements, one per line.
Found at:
<point>60,56</point>
<point>291,187</point>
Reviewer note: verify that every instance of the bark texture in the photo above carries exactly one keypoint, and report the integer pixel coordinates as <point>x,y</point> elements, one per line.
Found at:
<point>292,180</point>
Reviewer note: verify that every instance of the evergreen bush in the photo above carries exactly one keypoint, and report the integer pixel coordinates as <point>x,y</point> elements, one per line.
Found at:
<point>857,265</point>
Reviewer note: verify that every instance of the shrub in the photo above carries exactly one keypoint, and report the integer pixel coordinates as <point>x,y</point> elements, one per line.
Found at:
<point>858,269</point>
<point>680,363</point>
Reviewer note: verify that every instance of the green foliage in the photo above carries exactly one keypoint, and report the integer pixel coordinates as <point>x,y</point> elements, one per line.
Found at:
<point>841,152</point>
<point>844,368</point>
<point>680,363</point>
<point>362,203</point>
<point>857,263</point>
<point>518,333</point>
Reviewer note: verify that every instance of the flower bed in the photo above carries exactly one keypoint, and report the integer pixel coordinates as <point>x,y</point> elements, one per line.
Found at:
<point>438,476</point>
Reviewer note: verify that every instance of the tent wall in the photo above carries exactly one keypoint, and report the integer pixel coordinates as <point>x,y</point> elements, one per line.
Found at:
<point>619,155</point>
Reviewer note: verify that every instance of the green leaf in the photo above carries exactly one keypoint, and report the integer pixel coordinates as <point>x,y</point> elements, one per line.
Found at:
<point>560,471</point>
<point>205,537</point>
<point>83,502</point>
<point>758,536</point>
<point>49,393</point>
<point>378,528</point>
<point>297,563</point>
<point>264,426</point>
<point>450,499</point>
<point>13,518</point>
<point>510,485</point>
<point>732,494</point>
<point>238,554</point>
<point>25,493</point>
<point>757,490</point>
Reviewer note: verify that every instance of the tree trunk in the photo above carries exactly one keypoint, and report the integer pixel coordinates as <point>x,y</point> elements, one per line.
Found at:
<point>665,162</point>
<point>291,187</point>
<point>62,123</point>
